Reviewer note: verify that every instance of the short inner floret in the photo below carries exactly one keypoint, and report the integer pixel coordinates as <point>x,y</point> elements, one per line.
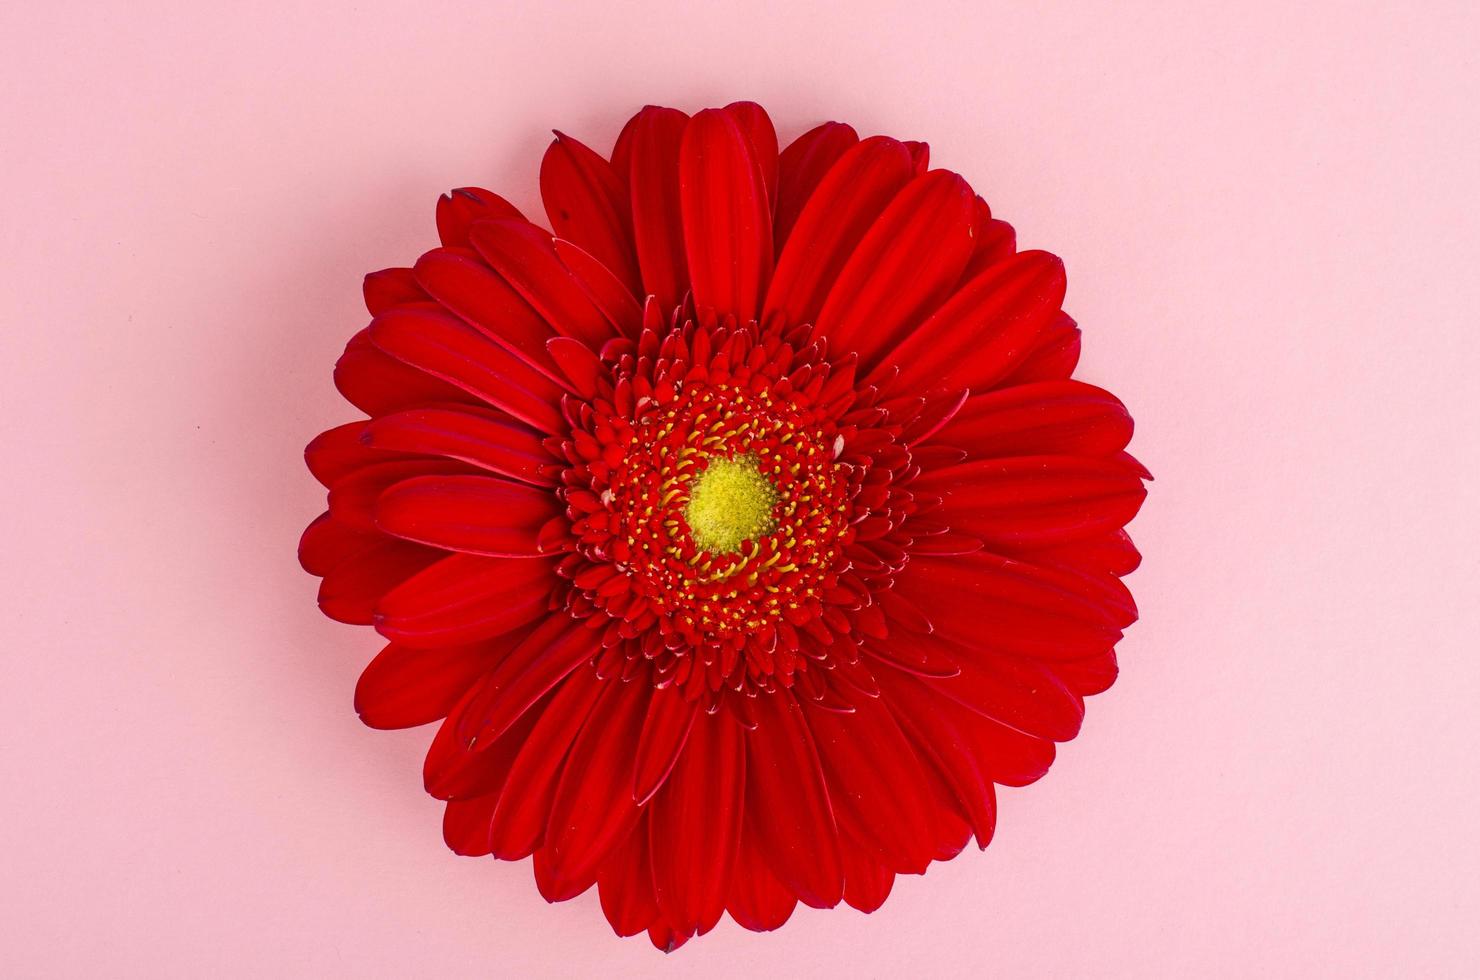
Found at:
<point>731,502</point>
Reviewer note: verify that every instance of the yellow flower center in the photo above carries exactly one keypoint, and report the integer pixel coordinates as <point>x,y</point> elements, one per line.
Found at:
<point>729,503</point>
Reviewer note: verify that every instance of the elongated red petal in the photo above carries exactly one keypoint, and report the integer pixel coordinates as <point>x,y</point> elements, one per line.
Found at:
<point>726,216</point>
<point>802,166</point>
<point>626,885</point>
<point>593,809</point>
<point>465,824</point>
<point>457,211</point>
<point>986,328</point>
<point>338,452</point>
<point>352,589</point>
<point>987,602</point>
<point>1053,358</point>
<point>1021,694</point>
<point>391,287</point>
<point>666,730</point>
<point>326,542</point>
<point>612,296</point>
<point>524,256</point>
<point>455,770</point>
<point>656,135</point>
<point>487,440</point>
<point>834,220</point>
<point>404,687</point>
<point>873,778</point>
<point>937,733</point>
<point>1037,500</point>
<point>695,825</point>
<point>523,809</point>
<point>376,383</point>
<point>1048,417</point>
<point>902,269</point>
<point>1110,554</point>
<point>758,129</point>
<point>462,282</point>
<point>353,497</point>
<point>479,515</point>
<point>538,664</point>
<point>449,349</point>
<point>788,809</point>
<point>588,204</point>
<point>867,881</point>
<point>758,900</point>
<point>465,598</point>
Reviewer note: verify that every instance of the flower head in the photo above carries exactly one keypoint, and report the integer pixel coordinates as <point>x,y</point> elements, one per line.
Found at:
<point>744,532</point>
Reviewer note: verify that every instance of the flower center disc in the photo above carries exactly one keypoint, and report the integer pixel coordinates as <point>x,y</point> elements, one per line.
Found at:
<point>730,503</point>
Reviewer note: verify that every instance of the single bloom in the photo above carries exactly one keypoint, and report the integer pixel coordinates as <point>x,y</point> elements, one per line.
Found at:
<point>744,530</point>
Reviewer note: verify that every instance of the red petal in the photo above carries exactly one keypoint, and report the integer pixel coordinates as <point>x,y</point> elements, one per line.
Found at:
<point>626,885</point>
<point>485,440</point>
<point>523,809</point>
<point>577,363</point>
<point>404,687</point>
<point>447,348</point>
<point>986,602</point>
<point>543,659</point>
<point>376,383</point>
<point>995,241</point>
<point>874,781</point>
<point>902,269</point>
<point>461,281</point>
<point>326,542</point>
<point>1092,676</point>
<point>919,155</point>
<point>457,211</point>
<point>986,328</point>
<point>866,881</point>
<point>352,498</point>
<point>525,256</point>
<point>593,809</point>
<point>757,899</point>
<point>588,204</point>
<point>657,217</point>
<point>999,753</point>
<point>351,590</point>
<point>1049,417</point>
<point>803,164</point>
<point>935,729</point>
<point>695,825</point>
<point>465,824</point>
<point>758,129</point>
<point>465,598</point>
<point>1028,501</point>
<point>789,812</point>
<point>726,216</point>
<point>666,730</point>
<point>455,770</point>
<point>610,294</point>
<point>832,223</point>
<point>480,515</point>
<point>391,287</point>
<point>1022,694</point>
<point>1111,554</point>
<point>1054,357</point>
<point>337,452</point>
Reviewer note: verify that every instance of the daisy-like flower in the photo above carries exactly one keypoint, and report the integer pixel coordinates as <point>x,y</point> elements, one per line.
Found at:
<point>744,532</point>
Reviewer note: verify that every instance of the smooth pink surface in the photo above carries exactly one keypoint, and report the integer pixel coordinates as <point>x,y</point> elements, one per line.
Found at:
<point>1268,214</point>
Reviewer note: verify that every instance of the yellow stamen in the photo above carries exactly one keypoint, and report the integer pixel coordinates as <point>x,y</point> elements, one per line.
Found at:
<point>729,503</point>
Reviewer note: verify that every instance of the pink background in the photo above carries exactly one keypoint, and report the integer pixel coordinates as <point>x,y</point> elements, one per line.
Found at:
<point>1268,212</point>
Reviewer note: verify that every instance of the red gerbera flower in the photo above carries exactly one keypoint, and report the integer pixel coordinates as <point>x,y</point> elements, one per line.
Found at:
<point>745,531</point>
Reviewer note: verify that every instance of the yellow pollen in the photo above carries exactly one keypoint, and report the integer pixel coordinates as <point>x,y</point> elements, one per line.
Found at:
<point>729,503</point>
